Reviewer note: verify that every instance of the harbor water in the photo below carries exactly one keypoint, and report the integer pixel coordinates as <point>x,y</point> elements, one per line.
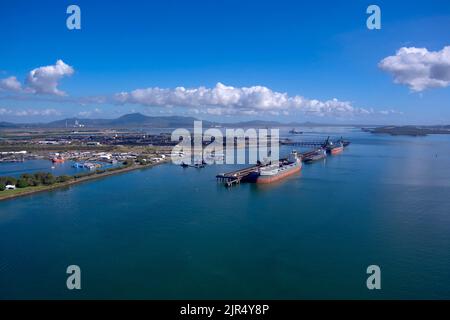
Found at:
<point>16,169</point>
<point>170,232</point>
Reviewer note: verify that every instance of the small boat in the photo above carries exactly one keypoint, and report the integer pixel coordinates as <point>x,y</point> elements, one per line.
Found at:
<point>78,165</point>
<point>87,165</point>
<point>58,159</point>
<point>91,165</point>
<point>294,131</point>
<point>197,165</point>
<point>184,165</point>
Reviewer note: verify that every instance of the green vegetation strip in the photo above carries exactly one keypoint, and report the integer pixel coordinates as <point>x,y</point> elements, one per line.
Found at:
<point>39,182</point>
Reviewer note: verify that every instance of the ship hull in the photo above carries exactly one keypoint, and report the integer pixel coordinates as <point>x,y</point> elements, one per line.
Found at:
<point>314,158</point>
<point>337,150</point>
<point>277,177</point>
<point>318,155</point>
<point>266,179</point>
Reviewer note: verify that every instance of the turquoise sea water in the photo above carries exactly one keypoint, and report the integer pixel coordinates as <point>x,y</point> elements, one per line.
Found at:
<point>169,232</point>
<point>15,169</point>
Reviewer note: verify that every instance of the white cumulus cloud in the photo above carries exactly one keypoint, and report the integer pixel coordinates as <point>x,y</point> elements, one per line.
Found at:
<point>10,84</point>
<point>419,68</point>
<point>33,112</point>
<point>45,79</point>
<point>89,113</point>
<point>4,111</point>
<point>42,80</point>
<point>228,100</point>
<point>30,112</point>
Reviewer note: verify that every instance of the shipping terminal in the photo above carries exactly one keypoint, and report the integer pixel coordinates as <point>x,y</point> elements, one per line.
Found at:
<point>265,173</point>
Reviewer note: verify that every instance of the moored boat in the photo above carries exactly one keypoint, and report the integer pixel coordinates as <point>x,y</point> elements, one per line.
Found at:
<point>336,150</point>
<point>58,159</point>
<point>277,171</point>
<point>77,165</point>
<point>317,155</point>
<point>333,148</point>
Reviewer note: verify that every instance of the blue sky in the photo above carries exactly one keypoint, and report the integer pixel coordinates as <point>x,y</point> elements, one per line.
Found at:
<point>316,50</point>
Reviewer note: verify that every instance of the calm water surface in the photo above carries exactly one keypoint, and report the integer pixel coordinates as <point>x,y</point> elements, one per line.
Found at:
<point>169,232</point>
<point>15,169</point>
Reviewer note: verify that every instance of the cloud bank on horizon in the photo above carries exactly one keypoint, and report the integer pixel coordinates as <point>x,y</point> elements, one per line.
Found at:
<point>228,100</point>
<point>419,68</point>
<point>30,112</point>
<point>219,100</point>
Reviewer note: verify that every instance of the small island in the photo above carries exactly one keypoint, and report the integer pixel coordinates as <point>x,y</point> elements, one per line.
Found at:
<point>409,130</point>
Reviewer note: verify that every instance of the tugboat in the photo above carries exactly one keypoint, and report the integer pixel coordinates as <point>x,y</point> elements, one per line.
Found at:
<point>277,171</point>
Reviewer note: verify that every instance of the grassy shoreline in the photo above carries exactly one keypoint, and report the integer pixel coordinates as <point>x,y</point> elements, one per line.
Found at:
<point>21,192</point>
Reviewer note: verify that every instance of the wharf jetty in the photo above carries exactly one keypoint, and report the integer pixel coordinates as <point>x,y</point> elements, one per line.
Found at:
<point>235,177</point>
<point>314,143</point>
<point>305,143</point>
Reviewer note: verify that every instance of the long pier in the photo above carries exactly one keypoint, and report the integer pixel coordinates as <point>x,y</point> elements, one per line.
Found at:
<point>235,177</point>
<point>315,143</point>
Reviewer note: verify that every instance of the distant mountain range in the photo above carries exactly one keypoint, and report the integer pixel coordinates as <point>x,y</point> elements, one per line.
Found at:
<point>128,121</point>
<point>132,120</point>
<point>138,120</point>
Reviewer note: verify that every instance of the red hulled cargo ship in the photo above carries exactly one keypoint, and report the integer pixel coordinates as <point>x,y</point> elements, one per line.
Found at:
<point>278,171</point>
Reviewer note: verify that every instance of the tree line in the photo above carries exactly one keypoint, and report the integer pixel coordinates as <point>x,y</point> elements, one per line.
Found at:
<point>33,180</point>
<point>47,179</point>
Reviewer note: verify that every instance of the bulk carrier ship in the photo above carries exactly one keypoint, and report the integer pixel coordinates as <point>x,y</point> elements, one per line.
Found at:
<point>277,171</point>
